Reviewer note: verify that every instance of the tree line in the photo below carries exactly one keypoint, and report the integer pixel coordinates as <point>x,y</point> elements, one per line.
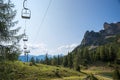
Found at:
<point>108,53</point>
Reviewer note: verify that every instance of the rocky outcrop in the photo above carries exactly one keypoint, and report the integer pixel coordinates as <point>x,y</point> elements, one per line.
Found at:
<point>99,38</point>
<point>112,29</point>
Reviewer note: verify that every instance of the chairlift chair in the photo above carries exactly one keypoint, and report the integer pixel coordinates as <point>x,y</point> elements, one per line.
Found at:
<point>26,13</point>
<point>25,54</point>
<point>25,47</point>
<point>25,38</point>
<point>27,51</point>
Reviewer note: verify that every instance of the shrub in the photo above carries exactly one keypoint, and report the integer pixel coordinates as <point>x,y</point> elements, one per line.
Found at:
<point>116,75</point>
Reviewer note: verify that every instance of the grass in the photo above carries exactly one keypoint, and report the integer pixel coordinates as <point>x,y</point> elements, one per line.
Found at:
<point>23,71</point>
<point>101,72</point>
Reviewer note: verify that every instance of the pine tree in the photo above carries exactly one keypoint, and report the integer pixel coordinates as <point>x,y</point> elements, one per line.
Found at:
<point>97,55</point>
<point>46,59</point>
<point>102,53</point>
<point>9,37</point>
<point>112,54</point>
<point>37,60</point>
<point>32,60</point>
<point>54,60</point>
<point>86,55</point>
<point>70,62</point>
<point>65,61</point>
<point>58,60</point>
<point>76,63</point>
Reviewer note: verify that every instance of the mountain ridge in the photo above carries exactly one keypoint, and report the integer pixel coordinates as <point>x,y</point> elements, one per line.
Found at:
<point>100,38</point>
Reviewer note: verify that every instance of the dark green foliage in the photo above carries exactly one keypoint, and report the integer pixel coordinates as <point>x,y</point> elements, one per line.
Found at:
<point>76,63</point>
<point>112,54</point>
<point>103,55</point>
<point>54,61</point>
<point>46,59</point>
<point>70,60</point>
<point>91,77</point>
<point>83,56</point>
<point>7,71</point>
<point>65,61</point>
<point>57,73</point>
<point>9,38</point>
<point>116,74</point>
<point>78,68</point>
<point>58,60</point>
<point>37,60</point>
<point>86,55</point>
<point>32,61</point>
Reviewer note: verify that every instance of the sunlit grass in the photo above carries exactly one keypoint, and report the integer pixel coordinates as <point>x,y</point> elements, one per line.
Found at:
<point>23,71</point>
<point>102,73</point>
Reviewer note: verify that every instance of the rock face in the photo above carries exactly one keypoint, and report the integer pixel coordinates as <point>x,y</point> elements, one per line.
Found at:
<point>112,29</point>
<point>99,38</point>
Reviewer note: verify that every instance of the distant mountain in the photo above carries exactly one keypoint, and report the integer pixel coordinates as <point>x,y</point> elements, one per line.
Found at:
<point>40,57</point>
<point>92,38</point>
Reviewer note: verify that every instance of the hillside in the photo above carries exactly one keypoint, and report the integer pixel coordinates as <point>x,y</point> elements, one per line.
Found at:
<point>23,71</point>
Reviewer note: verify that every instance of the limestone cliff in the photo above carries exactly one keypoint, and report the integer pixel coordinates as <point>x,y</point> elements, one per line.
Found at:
<point>99,38</point>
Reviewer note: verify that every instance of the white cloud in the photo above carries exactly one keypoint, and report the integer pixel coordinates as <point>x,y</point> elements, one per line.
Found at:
<point>66,48</point>
<point>37,49</point>
<point>41,48</point>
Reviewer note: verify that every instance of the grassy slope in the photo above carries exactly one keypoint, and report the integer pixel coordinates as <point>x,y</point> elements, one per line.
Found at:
<point>100,70</point>
<point>22,71</point>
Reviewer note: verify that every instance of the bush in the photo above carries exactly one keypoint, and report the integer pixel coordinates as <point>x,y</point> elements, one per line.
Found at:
<point>116,75</point>
<point>32,61</point>
<point>7,72</point>
<point>91,77</point>
<point>57,73</point>
<point>78,68</point>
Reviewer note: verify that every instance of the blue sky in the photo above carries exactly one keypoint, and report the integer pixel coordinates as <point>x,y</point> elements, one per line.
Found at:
<point>65,23</point>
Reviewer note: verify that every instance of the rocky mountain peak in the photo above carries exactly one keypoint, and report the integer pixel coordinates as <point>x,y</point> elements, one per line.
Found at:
<point>98,38</point>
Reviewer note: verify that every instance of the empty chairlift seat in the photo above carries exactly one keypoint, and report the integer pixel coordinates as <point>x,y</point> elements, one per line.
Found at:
<point>25,47</point>
<point>25,38</point>
<point>26,13</point>
<point>27,51</point>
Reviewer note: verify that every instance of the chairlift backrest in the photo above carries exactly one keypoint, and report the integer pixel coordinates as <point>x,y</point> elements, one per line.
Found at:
<point>26,13</point>
<point>27,51</point>
<point>25,46</point>
<point>25,38</point>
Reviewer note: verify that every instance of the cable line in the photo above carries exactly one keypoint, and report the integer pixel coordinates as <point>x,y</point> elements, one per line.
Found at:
<point>45,14</point>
